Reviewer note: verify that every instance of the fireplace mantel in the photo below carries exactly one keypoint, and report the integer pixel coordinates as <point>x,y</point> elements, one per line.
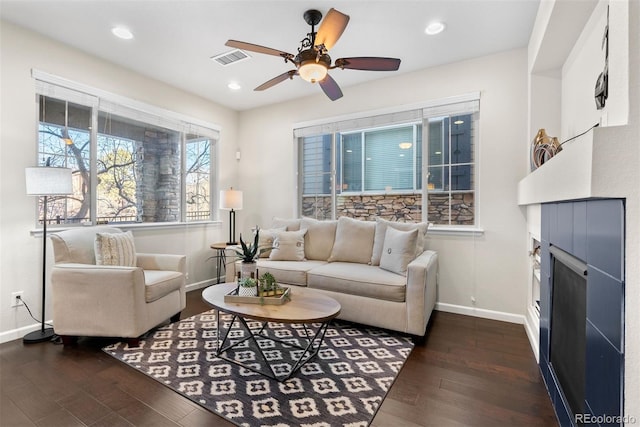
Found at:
<point>592,166</point>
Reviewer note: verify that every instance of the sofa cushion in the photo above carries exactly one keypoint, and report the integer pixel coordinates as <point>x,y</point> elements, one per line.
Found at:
<point>266,238</point>
<point>354,241</point>
<point>318,241</point>
<point>399,250</point>
<point>292,224</point>
<point>358,279</point>
<point>115,249</point>
<point>381,229</point>
<point>288,246</point>
<point>160,283</point>
<point>288,272</point>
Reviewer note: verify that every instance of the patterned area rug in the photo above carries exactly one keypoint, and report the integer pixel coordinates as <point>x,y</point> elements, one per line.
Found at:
<point>343,385</point>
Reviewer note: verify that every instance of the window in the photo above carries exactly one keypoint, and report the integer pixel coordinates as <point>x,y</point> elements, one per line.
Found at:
<point>379,170</point>
<point>381,159</point>
<point>127,165</point>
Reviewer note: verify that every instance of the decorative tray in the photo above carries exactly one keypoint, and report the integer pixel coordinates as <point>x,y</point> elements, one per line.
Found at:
<point>271,300</point>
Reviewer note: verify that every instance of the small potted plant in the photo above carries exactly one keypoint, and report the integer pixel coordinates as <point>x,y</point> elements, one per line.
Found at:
<point>267,285</point>
<point>248,253</point>
<point>247,287</point>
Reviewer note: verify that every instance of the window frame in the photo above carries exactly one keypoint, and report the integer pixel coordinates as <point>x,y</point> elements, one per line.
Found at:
<point>51,86</point>
<point>463,104</point>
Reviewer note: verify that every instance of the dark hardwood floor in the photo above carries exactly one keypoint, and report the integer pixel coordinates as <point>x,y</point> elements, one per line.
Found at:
<point>469,372</point>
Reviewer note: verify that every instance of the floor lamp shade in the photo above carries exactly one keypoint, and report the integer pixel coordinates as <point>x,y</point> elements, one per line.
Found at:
<point>46,181</point>
<point>231,200</point>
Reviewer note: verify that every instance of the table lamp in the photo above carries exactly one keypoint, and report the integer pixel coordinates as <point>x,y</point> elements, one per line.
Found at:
<point>231,200</point>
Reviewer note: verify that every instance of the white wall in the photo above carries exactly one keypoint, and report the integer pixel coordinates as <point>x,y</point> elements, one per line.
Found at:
<point>492,267</point>
<point>586,62</point>
<point>20,253</point>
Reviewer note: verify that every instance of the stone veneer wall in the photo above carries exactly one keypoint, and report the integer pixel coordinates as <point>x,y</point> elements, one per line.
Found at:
<point>158,171</point>
<point>395,207</point>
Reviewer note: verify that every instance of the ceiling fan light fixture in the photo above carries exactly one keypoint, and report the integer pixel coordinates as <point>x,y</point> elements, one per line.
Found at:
<point>122,32</point>
<point>434,28</point>
<point>312,71</point>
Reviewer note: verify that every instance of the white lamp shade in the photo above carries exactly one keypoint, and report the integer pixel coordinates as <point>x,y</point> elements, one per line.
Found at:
<point>48,181</point>
<point>231,199</point>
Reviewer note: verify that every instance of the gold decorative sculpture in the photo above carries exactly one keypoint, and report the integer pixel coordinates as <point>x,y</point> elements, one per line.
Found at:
<point>543,148</point>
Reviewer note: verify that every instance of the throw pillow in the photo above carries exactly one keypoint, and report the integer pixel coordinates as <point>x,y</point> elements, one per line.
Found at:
<point>115,249</point>
<point>381,230</point>
<point>318,241</point>
<point>288,246</point>
<point>289,224</point>
<point>354,241</point>
<point>266,238</point>
<point>399,250</point>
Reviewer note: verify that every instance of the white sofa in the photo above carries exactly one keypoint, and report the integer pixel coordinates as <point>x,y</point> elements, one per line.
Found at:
<point>344,260</point>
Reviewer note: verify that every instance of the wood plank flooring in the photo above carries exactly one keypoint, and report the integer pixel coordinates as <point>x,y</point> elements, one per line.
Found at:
<point>469,372</point>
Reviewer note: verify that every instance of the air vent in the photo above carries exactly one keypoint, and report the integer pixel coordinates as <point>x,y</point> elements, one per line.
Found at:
<point>230,57</point>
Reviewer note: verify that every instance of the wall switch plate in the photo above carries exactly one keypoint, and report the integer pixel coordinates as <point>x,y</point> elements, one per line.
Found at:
<point>16,300</point>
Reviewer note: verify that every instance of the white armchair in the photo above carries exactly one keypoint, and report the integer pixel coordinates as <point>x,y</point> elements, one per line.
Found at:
<point>111,301</point>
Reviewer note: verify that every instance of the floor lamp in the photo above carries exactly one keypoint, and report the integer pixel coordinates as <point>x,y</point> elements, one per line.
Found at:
<point>231,200</point>
<point>46,181</point>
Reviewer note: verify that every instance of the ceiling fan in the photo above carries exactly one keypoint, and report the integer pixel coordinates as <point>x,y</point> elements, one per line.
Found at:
<point>313,61</point>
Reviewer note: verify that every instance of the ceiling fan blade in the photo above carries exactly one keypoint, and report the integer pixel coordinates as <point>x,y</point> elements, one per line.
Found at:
<point>331,28</point>
<point>369,63</point>
<point>257,48</point>
<point>278,79</point>
<point>330,88</point>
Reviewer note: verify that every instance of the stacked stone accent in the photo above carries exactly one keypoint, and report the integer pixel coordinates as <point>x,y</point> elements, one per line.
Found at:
<point>158,171</point>
<point>395,207</point>
<point>461,208</point>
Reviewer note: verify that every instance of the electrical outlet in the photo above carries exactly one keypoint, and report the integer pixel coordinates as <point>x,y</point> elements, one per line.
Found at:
<point>16,299</point>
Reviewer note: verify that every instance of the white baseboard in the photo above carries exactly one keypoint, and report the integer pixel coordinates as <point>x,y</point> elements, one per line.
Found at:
<point>200,285</point>
<point>480,312</point>
<point>18,333</point>
<point>532,328</point>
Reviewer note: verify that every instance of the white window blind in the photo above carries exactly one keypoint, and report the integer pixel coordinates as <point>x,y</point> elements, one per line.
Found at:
<point>60,92</point>
<point>360,123</point>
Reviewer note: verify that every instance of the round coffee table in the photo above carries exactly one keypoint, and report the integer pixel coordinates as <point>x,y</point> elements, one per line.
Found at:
<point>311,310</point>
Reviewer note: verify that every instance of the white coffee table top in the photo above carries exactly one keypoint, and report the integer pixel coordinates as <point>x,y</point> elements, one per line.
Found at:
<point>306,305</point>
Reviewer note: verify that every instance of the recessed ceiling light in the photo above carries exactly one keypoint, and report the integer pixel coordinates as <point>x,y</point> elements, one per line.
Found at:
<point>434,28</point>
<point>122,32</point>
<point>458,122</point>
<point>234,86</point>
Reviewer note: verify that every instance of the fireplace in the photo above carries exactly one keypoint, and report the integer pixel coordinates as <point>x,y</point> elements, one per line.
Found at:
<point>582,309</point>
<point>567,349</point>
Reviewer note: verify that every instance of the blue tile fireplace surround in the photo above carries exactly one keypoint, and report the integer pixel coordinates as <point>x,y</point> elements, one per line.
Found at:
<point>582,310</point>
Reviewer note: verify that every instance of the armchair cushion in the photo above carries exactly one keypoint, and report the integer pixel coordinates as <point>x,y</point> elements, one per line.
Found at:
<point>115,249</point>
<point>77,245</point>
<point>160,283</point>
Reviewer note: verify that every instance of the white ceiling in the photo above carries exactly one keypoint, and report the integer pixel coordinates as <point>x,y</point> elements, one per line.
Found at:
<point>174,40</point>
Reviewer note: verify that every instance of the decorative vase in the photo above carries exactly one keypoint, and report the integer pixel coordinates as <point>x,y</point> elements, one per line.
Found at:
<point>246,268</point>
<point>248,291</point>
